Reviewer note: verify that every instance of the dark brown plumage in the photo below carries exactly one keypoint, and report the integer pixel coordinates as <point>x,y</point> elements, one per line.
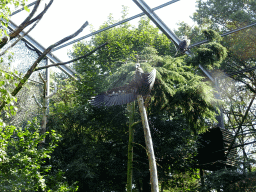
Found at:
<point>140,85</point>
<point>183,46</point>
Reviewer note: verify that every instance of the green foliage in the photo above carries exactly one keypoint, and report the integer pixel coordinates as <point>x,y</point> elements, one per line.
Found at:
<point>95,140</point>
<point>211,54</point>
<point>230,181</point>
<point>222,12</point>
<point>6,80</point>
<point>236,91</point>
<point>182,181</point>
<point>212,35</point>
<point>22,160</point>
<point>93,149</point>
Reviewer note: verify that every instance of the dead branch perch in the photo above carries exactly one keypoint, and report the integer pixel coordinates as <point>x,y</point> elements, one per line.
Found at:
<point>26,22</point>
<point>73,60</point>
<point>39,16</point>
<point>16,32</point>
<point>13,44</point>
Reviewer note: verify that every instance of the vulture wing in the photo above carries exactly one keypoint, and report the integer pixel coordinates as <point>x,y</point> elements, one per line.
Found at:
<point>116,96</point>
<point>141,85</point>
<point>147,82</point>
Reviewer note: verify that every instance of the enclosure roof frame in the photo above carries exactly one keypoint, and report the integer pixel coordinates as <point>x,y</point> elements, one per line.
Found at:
<point>28,39</point>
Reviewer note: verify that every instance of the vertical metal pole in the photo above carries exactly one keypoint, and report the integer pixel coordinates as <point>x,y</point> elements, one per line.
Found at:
<point>47,86</point>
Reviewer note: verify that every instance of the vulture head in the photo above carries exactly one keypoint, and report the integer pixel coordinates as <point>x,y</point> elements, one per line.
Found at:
<point>185,42</point>
<point>141,84</point>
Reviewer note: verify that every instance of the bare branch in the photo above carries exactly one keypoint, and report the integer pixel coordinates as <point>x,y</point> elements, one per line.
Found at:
<point>37,102</point>
<point>40,15</point>
<point>54,92</point>
<point>32,68</point>
<point>26,22</point>
<point>13,44</point>
<point>40,75</point>
<point>16,32</point>
<point>31,14</point>
<point>73,60</point>
<point>71,36</point>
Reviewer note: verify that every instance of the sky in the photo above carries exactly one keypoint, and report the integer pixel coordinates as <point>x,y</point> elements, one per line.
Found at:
<point>63,18</point>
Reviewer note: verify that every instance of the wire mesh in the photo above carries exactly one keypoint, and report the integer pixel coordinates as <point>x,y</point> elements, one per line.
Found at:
<point>20,58</point>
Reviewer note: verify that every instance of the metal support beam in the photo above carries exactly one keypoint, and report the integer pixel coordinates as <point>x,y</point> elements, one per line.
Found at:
<point>114,25</point>
<point>206,73</point>
<point>162,26</point>
<point>47,87</point>
<point>70,72</point>
<point>157,21</point>
<point>219,117</point>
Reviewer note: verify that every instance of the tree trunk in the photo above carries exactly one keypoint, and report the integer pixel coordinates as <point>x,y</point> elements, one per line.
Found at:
<point>202,177</point>
<point>44,121</point>
<point>130,107</point>
<point>44,110</point>
<point>149,146</point>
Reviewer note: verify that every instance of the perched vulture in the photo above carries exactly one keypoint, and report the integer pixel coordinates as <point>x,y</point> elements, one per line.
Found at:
<point>183,46</point>
<point>140,85</point>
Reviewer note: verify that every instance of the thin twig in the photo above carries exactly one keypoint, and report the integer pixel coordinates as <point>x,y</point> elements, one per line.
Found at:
<point>39,16</point>
<point>73,60</point>
<point>37,102</point>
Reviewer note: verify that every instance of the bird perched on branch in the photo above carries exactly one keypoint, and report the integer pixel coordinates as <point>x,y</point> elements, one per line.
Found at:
<point>183,45</point>
<point>140,85</point>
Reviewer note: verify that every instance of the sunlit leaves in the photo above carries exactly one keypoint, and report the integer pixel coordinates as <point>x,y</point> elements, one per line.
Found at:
<point>21,159</point>
<point>6,79</point>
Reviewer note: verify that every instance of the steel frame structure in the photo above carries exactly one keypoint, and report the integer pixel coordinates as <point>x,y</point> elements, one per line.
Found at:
<point>146,11</point>
<point>28,39</point>
<point>114,25</point>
